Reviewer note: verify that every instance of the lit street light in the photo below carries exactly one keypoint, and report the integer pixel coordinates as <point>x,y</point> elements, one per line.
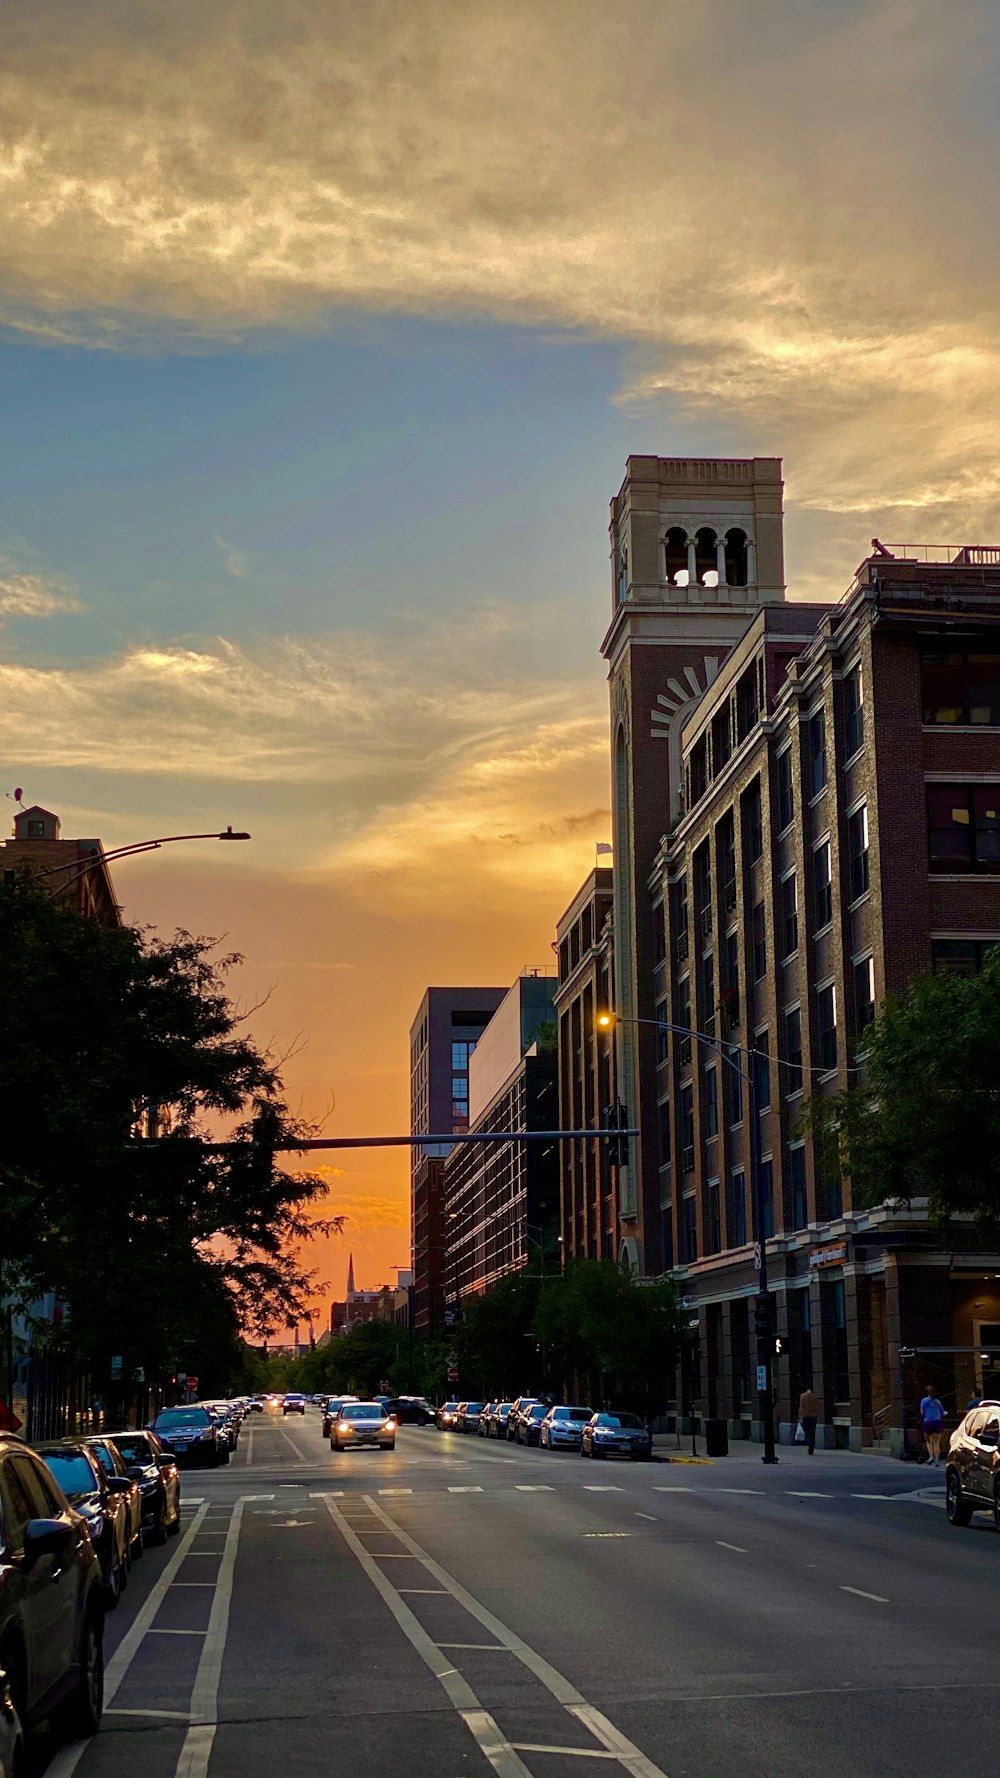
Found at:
<point>763,1321</point>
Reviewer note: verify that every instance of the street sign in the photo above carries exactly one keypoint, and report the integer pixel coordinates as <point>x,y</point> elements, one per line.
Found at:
<point>756,1256</point>
<point>761,1378</point>
<point>116,1370</point>
<point>192,1384</point>
<point>452,1374</point>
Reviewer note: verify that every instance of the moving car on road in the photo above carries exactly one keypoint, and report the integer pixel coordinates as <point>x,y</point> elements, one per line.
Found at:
<point>363,1423</point>
<point>446,1415</point>
<point>562,1428</point>
<point>411,1410</point>
<point>972,1473</point>
<point>51,1599</point>
<point>112,1464</point>
<point>294,1404</point>
<point>155,1470</point>
<point>616,1434</point>
<point>101,1503</point>
<point>191,1432</point>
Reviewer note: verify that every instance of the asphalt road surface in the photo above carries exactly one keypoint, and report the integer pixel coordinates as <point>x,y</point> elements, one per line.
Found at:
<point>462,1607</point>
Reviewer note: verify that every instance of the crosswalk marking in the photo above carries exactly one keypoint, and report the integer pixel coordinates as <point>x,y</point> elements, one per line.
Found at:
<point>601,1488</point>
<point>465,1490</point>
<point>533,1488</point>
<point>395,1491</point>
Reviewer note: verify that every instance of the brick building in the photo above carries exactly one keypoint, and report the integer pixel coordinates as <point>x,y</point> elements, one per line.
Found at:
<point>448,1024</point>
<point>73,868</point>
<point>832,807</point>
<point>588,1210</point>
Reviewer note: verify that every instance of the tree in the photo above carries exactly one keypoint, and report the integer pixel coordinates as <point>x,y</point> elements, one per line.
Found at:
<point>925,1120</point>
<point>618,1338</point>
<point>111,1035</point>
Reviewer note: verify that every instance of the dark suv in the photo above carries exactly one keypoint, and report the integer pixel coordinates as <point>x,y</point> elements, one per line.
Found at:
<point>51,1598</point>
<point>972,1477</point>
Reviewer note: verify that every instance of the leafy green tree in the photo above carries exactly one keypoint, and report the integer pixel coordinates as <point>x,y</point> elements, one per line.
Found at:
<point>617,1338</point>
<point>109,1033</point>
<point>925,1119</point>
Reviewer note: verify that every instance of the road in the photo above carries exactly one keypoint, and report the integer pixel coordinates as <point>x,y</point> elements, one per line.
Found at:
<point>460,1607</point>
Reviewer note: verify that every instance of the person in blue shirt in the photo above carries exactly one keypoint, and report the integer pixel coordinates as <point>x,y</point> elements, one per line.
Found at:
<point>932,1422</point>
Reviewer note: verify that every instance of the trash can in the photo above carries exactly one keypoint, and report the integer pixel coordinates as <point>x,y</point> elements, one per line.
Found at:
<point>716,1438</point>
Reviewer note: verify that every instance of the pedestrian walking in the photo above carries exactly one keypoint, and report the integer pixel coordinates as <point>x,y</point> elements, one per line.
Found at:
<point>808,1415</point>
<point>932,1422</point>
<point>975,1399</point>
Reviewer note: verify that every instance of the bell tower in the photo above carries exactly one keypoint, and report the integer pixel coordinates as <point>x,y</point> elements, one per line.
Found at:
<point>696,550</point>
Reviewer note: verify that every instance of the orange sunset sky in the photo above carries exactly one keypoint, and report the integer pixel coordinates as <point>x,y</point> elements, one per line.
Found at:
<point>325,331</point>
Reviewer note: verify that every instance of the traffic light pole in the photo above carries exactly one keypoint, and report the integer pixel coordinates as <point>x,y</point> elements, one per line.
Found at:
<point>763,1306</point>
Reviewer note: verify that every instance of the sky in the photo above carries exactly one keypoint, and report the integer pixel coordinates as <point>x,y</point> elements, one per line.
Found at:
<point>325,332</point>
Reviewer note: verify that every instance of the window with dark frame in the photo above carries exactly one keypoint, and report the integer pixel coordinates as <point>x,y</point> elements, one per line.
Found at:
<point>721,739</point>
<point>857,851</point>
<point>746,704</point>
<point>698,770</point>
<point>826,1026</point>
<point>789,915</point>
<point>793,1052</point>
<point>739,1208</point>
<point>854,713</point>
<point>753,822</point>
<point>689,1230</point>
<point>714,1217</point>
<point>823,885</point>
<point>663,1111</point>
<point>961,687</point>
<point>684,1019</point>
<point>817,752</point>
<point>711,1102</point>
<point>864,992</point>
<point>963,827</point>
<point>708,994</point>
<point>797,1185</point>
<point>786,792</point>
<point>662,1033</point>
<point>687,1128</point>
<point>762,1066</point>
<point>960,956</point>
<point>759,942</point>
<point>735,1095</point>
<point>767,1197</point>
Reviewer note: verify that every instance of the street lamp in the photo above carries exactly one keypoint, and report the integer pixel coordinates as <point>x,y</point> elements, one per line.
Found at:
<point>100,857</point>
<point>763,1321</point>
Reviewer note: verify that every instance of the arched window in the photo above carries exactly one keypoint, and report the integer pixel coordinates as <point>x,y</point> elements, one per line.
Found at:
<point>675,551</point>
<point>622,573</point>
<point>736,557</point>
<point>706,557</point>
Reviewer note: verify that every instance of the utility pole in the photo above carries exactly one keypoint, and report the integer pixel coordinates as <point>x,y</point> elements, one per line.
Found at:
<point>764,1309</point>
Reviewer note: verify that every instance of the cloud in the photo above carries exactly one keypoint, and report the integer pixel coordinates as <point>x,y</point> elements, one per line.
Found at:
<point>34,595</point>
<point>791,227</point>
<point>237,560</point>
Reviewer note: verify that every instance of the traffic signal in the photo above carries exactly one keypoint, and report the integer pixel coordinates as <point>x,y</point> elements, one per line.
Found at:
<point>763,1320</point>
<point>615,1119</point>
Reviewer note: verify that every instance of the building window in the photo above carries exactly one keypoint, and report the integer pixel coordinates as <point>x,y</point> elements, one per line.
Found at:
<point>960,956</point>
<point>687,1129</point>
<point>826,1026</point>
<point>689,1231</point>
<point>767,1199</point>
<point>659,934</point>
<point>824,884</point>
<point>662,1033</point>
<point>759,943</point>
<point>679,893</point>
<point>711,1102</point>
<point>721,739</point>
<point>703,889</point>
<point>754,827</point>
<point>797,1185</point>
<point>714,1217</point>
<point>739,1209</point>
<point>793,1051</point>
<point>961,687</point>
<point>664,1127</point>
<point>735,1096</point>
<point>854,713</point>
<point>684,1019</point>
<point>817,752</point>
<point>746,704</point>
<point>786,793</point>
<point>857,851</point>
<point>731,981</point>
<point>762,1067</point>
<point>963,827</point>
<point>864,992</point>
<point>698,770</point>
<point>789,916</point>
<point>708,994</point>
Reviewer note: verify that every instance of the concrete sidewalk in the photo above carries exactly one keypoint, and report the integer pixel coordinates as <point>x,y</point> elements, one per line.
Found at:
<point>795,1459</point>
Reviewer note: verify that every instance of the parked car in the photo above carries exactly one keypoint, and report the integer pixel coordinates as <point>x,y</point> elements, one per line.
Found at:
<point>521,1406</point>
<point>191,1432</point>
<point>468,1416</point>
<point>51,1600</point>
<point>332,1409</point>
<point>446,1415</point>
<point>155,1470</point>
<point>12,1754</point>
<point>972,1466</point>
<point>113,1464</point>
<point>411,1410</point>
<point>484,1419</point>
<point>363,1423</point>
<point>562,1428</point>
<point>529,1423</point>
<point>616,1434</point>
<point>225,1426</point>
<point>101,1504</point>
<point>497,1426</point>
<point>294,1404</point>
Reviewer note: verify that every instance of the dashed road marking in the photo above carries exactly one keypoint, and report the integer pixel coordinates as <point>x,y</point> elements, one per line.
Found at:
<point>533,1488</point>
<point>650,1516</point>
<point>876,1598</point>
<point>392,1491</point>
<point>465,1490</point>
<point>738,1547</point>
<point>601,1488</point>
<point>807,1494</point>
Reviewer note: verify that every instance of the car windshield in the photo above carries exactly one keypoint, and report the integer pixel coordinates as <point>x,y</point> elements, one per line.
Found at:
<point>362,1410</point>
<point>538,1411</point>
<point>474,1407</point>
<point>72,1471</point>
<point>134,1450</point>
<point>104,1458</point>
<point>632,1421</point>
<point>571,1414</point>
<point>183,1417</point>
<point>504,1407</point>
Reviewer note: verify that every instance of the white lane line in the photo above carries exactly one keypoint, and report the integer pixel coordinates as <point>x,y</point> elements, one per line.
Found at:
<point>601,1488</point>
<point>876,1598</point>
<point>496,1648</point>
<point>197,1749</point>
<point>462,1490</point>
<point>299,1454</point>
<point>329,1494</point>
<point>501,1756</point>
<point>155,1632</point>
<point>69,1757</point>
<point>653,1520</point>
<point>807,1494</point>
<point>630,1757</point>
<point>391,1491</point>
<point>434,1590</point>
<point>194,1500</point>
<point>873,1497</point>
<point>738,1547</point>
<point>174,1715</point>
<point>194,1583</point>
<point>575,1752</point>
<point>660,1490</point>
<point>759,1491</point>
<point>248,1459</point>
<point>605,1534</point>
<point>533,1488</point>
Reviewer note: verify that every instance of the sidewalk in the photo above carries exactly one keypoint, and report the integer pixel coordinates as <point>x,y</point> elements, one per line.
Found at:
<point>746,1453</point>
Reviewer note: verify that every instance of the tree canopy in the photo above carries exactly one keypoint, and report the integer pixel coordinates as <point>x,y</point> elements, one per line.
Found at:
<point>111,1035</point>
<point>925,1119</point>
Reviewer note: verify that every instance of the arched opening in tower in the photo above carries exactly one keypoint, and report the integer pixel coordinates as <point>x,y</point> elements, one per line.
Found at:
<point>706,559</point>
<point>676,556</point>
<point>736,557</point>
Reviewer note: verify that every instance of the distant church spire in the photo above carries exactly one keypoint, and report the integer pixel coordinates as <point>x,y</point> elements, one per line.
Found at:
<point>350,1278</point>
